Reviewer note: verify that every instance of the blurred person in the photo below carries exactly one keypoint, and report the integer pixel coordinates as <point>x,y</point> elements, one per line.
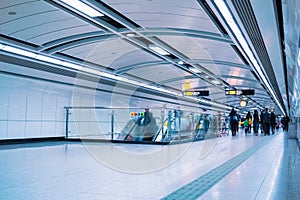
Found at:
<point>261,121</point>
<point>233,121</point>
<point>249,117</point>
<point>246,126</point>
<point>149,125</point>
<point>206,123</point>
<point>255,122</point>
<point>285,123</point>
<point>266,122</point>
<point>272,122</point>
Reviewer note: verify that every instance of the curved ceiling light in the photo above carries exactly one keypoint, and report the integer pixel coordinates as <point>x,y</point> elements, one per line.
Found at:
<point>226,13</point>
<point>84,8</point>
<point>158,50</point>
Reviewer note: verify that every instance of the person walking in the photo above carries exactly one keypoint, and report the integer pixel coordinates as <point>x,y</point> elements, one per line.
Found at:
<point>206,123</point>
<point>285,123</point>
<point>233,121</point>
<point>261,121</point>
<point>255,122</point>
<point>272,122</point>
<point>249,118</point>
<point>266,122</point>
<point>246,126</point>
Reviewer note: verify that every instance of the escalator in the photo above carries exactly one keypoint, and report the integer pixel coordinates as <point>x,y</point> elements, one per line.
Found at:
<point>201,129</point>
<point>173,129</point>
<point>137,131</point>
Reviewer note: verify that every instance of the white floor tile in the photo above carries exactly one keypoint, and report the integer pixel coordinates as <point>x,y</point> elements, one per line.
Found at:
<point>130,171</point>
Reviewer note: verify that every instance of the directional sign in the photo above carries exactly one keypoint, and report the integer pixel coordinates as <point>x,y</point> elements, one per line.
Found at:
<point>247,92</point>
<point>231,92</point>
<point>196,93</point>
<point>239,92</point>
<point>202,92</point>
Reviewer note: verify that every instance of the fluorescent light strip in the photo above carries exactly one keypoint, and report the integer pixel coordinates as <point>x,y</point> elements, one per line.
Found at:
<point>71,65</point>
<point>159,50</point>
<point>37,56</point>
<point>19,51</point>
<point>215,82</point>
<point>96,72</point>
<point>83,8</point>
<point>231,22</point>
<point>48,59</point>
<point>195,70</point>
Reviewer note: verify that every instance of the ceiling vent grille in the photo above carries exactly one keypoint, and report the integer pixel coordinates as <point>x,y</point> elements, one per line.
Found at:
<point>45,68</point>
<point>246,14</point>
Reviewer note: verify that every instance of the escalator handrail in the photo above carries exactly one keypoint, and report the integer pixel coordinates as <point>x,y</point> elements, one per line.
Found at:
<point>157,132</point>
<point>132,128</point>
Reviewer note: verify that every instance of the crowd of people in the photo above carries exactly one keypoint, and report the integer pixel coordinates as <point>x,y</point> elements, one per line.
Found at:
<point>266,121</point>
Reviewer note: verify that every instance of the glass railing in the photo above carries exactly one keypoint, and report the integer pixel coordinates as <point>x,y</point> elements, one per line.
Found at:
<point>137,124</point>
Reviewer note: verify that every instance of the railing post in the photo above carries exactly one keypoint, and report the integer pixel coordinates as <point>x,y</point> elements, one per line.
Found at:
<point>67,123</point>
<point>112,124</point>
<point>162,121</point>
<point>193,120</point>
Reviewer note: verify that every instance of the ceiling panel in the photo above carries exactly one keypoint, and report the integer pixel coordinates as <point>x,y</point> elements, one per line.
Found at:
<point>15,10</point>
<point>228,70</point>
<point>12,25</point>
<point>202,48</point>
<point>135,59</point>
<point>159,73</point>
<point>186,84</point>
<point>38,22</point>
<point>186,14</point>
<point>58,33</point>
<point>242,83</point>
<point>113,53</point>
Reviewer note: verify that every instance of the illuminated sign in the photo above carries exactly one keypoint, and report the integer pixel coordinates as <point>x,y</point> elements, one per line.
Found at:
<point>196,93</point>
<point>230,92</point>
<point>137,114</point>
<point>239,92</point>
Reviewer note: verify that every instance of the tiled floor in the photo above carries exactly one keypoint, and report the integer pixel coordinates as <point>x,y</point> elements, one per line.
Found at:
<point>73,170</point>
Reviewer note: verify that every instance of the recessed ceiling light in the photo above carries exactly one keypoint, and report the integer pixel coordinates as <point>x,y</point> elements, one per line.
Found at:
<point>130,34</point>
<point>12,13</point>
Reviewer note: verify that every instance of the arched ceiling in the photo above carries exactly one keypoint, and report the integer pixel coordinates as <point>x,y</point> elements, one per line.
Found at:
<point>202,51</point>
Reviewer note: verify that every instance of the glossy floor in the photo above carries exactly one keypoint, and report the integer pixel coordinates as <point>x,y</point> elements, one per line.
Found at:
<point>241,167</point>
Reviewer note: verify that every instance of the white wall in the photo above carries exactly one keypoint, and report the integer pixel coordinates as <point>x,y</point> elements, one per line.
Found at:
<point>31,108</point>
